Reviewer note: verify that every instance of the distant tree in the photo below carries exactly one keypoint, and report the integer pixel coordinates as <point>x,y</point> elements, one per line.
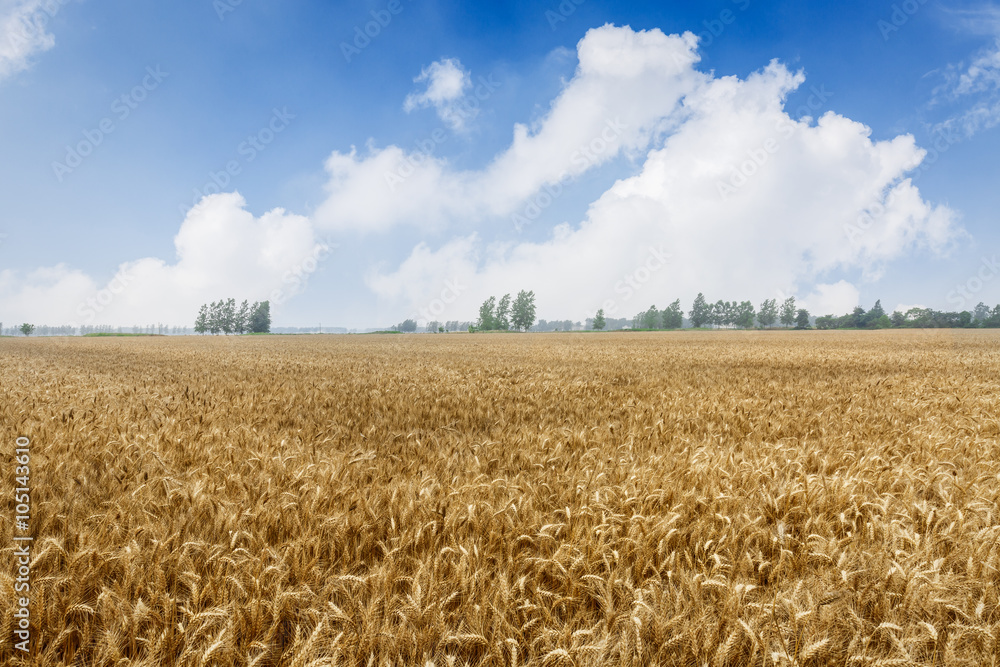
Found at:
<point>201,322</point>
<point>407,326</point>
<point>826,322</point>
<point>523,310</point>
<point>701,313</point>
<point>673,316</point>
<point>432,327</point>
<point>228,316</point>
<point>599,322</point>
<point>802,319</point>
<point>898,319</point>
<point>882,322</point>
<point>215,317</point>
<point>768,313</point>
<point>981,313</point>
<point>857,318</point>
<point>26,328</point>
<point>788,312</point>
<point>719,314</point>
<point>651,318</point>
<point>440,329</point>
<point>744,315</point>
<point>260,317</point>
<point>874,315</point>
<point>993,320</point>
<point>502,317</point>
<point>243,318</point>
<point>487,321</point>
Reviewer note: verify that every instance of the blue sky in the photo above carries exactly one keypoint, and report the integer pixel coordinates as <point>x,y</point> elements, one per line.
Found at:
<point>259,104</point>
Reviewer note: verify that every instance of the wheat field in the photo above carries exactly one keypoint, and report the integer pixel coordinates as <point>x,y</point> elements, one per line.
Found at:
<point>720,499</point>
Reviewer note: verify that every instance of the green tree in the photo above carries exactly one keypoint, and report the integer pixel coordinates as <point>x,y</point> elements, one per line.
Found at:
<point>243,318</point>
<point>260,317</point>
<point>651,318</point>
<point>26,328</point>
<point>215,317</point>
<point>407,326</point>
<point>201,322</point>
<point>487,321</point>
<point>875,314</point>
<point>701,312</point>
<point>745,315</point>
<point>228,316</point>
<point>673,316</point>
<point>523,310</point>
<point>802,319</point>
<point>993,320</point>
<point>768,313</point>
<point>599,322</point>
<point>981,313</point>
<point>898,319</point>
<point>788,312</point>
<point>502,317</point>
<point>826,322</point>
<point>857,317</point>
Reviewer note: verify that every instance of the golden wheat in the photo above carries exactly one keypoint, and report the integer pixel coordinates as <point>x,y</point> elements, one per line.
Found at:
<point>723,499</point>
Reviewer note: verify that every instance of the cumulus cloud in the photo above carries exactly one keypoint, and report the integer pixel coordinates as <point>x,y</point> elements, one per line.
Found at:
<point>22,33</point>
<point>222,251</point>
<point>739,201</point>
<point>625,92</point>
<point>446,83</point>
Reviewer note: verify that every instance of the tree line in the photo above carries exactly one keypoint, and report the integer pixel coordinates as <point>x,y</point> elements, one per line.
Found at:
<point>223,316</point>
<point>743,315</point>
<point>504,315</point>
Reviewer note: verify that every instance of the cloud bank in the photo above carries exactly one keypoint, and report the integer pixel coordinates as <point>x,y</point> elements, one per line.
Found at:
<point>729,195</point>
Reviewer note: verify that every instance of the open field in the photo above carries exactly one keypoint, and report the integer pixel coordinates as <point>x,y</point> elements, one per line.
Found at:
<point>764,498</point>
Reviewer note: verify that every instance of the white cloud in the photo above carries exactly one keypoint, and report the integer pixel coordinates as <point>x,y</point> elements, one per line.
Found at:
<point>626,90</point>
<point>223,251</point>
<point>745,200</point>
<point>22,33</point>
<point>447,83</point>
<point>972,91</point>
<point>836,299</point>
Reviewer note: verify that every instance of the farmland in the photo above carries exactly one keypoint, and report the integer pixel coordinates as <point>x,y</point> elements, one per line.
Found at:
<point>720,498</point>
